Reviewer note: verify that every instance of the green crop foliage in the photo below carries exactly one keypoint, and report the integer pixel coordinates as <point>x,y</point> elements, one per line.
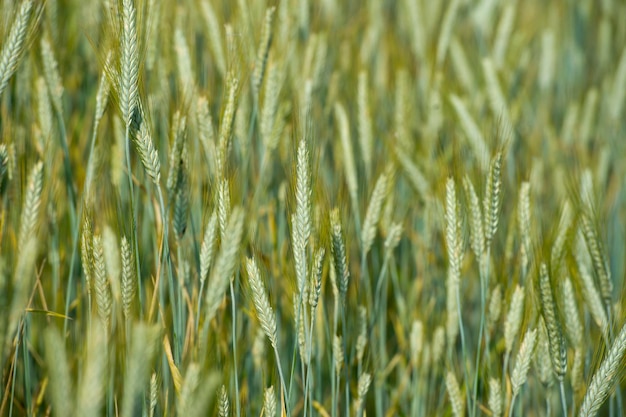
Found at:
<point>312,208</point>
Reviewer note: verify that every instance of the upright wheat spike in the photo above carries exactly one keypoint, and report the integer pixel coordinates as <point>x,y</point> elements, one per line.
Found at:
<point>91,390</point>
<point>32,202</point>
<point>101,282</point>
<point>454,392</point>
<point>61,383</point>
<point>14,44</point>
<point>455,256</point>
<point>225,263</point>
<point>129,63</point>
<point>558,352</point>
<point>522,364</point>
<point>128,277</point>
<point>338,251</point>
<point>492,200</point>
<point>261,302</point>
<point>372,215</point>
<point>269,402</point>
<point>263,51</point>
<point>604,378</point>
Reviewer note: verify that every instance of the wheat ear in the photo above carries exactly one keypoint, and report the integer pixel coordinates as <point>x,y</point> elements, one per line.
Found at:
<point>225,263</point>
<point>603,379</point>
<point>454,392</point>
<point>32,203</point>
<point>372,215</point>
<point>61,383</point>
<point>129,63</point>
<point>14,44</point>
<point>128,277</point>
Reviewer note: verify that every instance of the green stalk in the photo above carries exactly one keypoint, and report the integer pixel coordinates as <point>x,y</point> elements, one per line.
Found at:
<point>484,287</point>
<point>234,342</point>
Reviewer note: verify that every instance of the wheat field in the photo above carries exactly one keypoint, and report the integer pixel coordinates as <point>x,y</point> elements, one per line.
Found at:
<point>312,208</point>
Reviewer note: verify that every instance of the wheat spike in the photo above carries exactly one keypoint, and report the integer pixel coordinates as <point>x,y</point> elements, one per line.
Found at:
<point>604,378</point>
<point>270,112</point>
<point>51,73</point>
<point>600,264</point>
<point>365,380</point>
<point>514,318</point>
<point>338,355</point>
<point>573,325</point>
<point>128,277</point>
<point>269,402</point>
<point>523,220</point>
<point>455,256</point>
<point>302,219</point>
<point>208,247</point>
<point>542,356</point>
<point>372,215</point>
<point>91,390</point>
<point>32,203</point>
<point>184,66</point>
<point>148,154</point>
<point>101,281</point>
<point>215,36</point>
<point>493,198</point>
<point>61,383</point>
<point>226,124</point>
<point>261,302</point>
<point>263,51</point>
<point>316,276</point>
<point>361,341</point>
<point>348,154</point>
<point>522,363</point>
<point>222,405</point>
<point>495,397</point>
<point>454,392</point>
<point>366,136</point>
<point>558,354</point>
<point>14,44</point>
<point>154,394</point>
<point>338,251</point>
<point>129,63</point>
<point>225,263</point>
<point>476,221</point>
<point>223,206</point>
